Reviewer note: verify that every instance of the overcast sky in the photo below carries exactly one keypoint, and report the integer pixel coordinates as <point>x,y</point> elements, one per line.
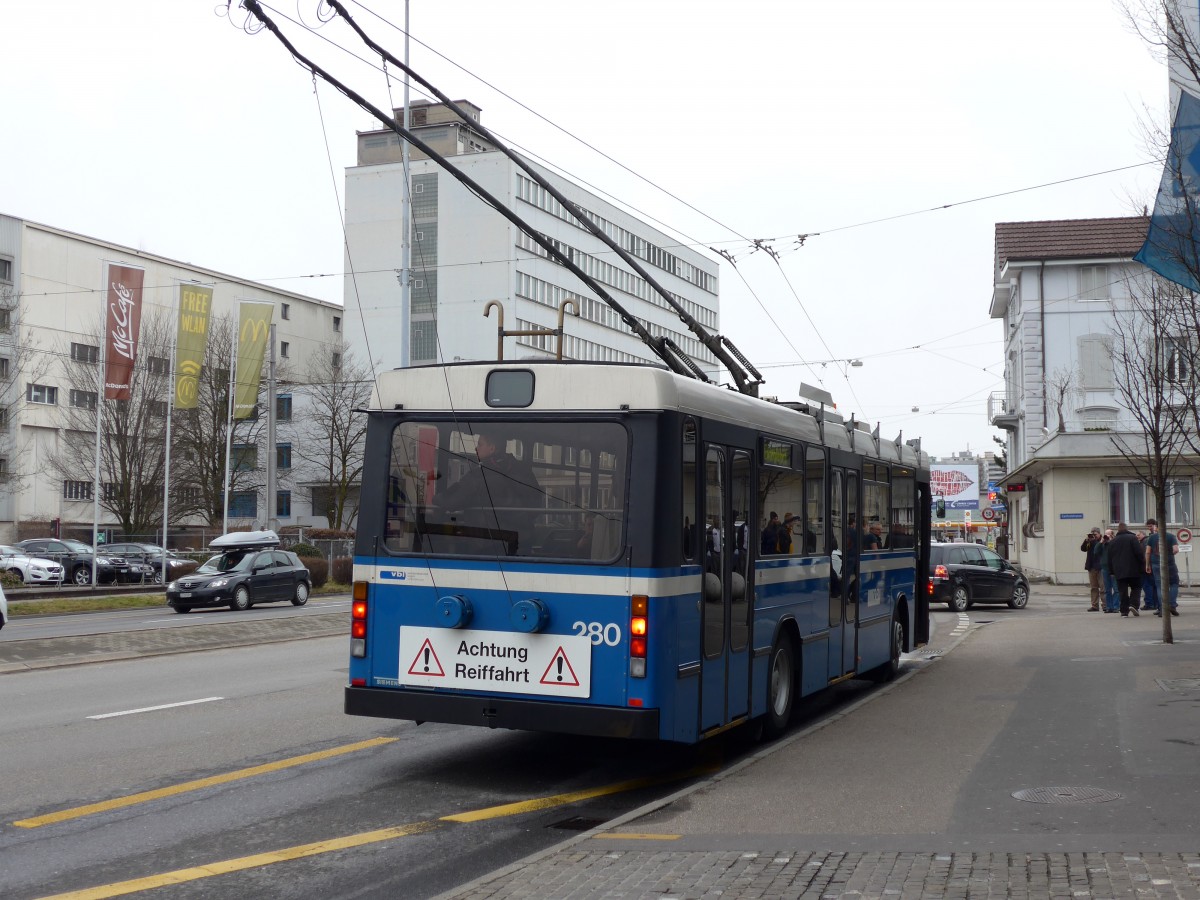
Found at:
<point>166,127</point>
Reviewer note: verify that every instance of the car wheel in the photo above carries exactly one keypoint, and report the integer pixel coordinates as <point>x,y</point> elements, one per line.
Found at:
<point>182,609</point>
<point>241,598</point>
<point>301,594</point>
<point>960,599</point>
<point>158,576</point>
<point>18,573</point>
<point>891,668</point>
<point>82,576</point>
<point>781,688</point>
<point>1019,598</point>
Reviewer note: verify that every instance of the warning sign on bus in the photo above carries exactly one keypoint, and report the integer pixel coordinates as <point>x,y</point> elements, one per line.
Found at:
<point>558,665</point>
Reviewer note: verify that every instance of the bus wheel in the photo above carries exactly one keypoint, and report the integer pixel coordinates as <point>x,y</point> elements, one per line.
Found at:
<point>781,688</point>
<point>891,668</point>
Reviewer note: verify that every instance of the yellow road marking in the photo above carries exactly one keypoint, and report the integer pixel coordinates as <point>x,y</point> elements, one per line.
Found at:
<point>636,836</point>
<point>146,796</point>
<point>179,876</point>
<point>120,888</point>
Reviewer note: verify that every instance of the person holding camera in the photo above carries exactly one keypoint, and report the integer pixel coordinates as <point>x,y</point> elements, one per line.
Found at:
<point>1091,546</point>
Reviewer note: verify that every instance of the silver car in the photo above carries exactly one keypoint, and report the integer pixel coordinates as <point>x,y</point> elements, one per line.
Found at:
<point>31,569</point>
<point>3,607</point>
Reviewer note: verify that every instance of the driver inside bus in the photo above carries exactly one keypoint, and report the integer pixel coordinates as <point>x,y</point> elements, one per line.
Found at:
<point>502,485</point>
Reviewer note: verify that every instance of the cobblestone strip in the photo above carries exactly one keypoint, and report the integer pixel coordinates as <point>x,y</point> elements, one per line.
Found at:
<point>576,874</point>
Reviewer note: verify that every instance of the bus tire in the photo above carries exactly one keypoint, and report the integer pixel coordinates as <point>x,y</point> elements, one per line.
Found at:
<point>781,687</point>
<point>891,668</point>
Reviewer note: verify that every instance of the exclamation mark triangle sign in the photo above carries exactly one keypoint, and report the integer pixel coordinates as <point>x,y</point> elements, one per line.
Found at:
<point>427,662</point>
<point>559,673</point>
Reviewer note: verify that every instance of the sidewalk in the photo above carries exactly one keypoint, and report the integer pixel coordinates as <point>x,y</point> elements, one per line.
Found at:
<point>1044,755</point>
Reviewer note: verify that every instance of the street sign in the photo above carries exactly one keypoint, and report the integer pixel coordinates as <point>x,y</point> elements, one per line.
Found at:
<point>1185,548</point>
<point>967,518</point>
<point>1184,535</point>
<point>989,514</point>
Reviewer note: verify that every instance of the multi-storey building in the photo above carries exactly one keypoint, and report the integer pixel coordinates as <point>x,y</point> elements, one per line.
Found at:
<point>466,255</point>
<point>1059,289</point>
<point>52,296</point>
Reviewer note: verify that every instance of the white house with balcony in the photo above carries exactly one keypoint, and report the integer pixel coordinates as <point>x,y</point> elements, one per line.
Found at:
<point>1058,288</point>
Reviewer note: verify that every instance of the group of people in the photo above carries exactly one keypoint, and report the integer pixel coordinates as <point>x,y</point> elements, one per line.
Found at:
<point>777,536</point>
<point>1124,568</point>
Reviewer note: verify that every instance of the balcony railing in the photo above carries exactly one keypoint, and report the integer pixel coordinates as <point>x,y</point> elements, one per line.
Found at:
<point>1001,412</point>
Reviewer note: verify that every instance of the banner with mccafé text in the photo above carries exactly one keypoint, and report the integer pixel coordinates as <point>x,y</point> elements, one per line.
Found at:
<point>254,327</point>
<point>122,323</point>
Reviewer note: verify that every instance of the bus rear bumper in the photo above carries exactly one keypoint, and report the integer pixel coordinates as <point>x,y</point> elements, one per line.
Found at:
<point>500,712</point>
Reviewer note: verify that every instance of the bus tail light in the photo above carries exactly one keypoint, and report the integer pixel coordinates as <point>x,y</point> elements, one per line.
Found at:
<point>639,634</point>
<point>358,620</point>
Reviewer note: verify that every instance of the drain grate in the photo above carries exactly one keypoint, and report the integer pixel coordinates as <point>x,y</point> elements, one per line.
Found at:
<point>578,823</point>
<point>1066,795</point>
<point>1179,685</point>
<point>926,651</point>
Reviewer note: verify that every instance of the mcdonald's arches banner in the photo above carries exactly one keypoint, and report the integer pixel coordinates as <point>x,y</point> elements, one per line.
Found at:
<point>254,327</point>
<point>195,303</point>
<point>122,322</point>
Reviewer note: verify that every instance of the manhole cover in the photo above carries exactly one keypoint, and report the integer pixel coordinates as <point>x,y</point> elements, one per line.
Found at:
<point>1065,795</point>
<point>578,823</point>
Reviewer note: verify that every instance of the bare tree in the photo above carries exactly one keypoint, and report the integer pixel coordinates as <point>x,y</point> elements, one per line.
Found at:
<point>1058,389</point>
<point>1152,386</point>
<point>132,432</point>
<point>332,434</point>
<point>199,437</point>
<point>21,361</point>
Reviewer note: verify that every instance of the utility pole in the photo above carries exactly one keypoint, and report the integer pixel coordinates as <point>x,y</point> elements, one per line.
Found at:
<point>405,223</point>
<point>272,522</point>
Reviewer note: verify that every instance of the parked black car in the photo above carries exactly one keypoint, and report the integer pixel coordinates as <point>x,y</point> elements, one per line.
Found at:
<point>76,559</point>
<point>961,575</point>
<point>151,555</point>
<point>249,569</point>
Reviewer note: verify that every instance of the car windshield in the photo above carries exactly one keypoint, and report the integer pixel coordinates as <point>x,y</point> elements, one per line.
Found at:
<point>229,561</point>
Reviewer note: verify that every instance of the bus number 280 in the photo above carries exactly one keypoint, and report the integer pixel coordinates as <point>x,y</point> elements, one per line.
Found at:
<point>599,633</point>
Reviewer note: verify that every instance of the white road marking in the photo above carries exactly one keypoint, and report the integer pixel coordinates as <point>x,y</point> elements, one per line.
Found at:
<point>130,712</point>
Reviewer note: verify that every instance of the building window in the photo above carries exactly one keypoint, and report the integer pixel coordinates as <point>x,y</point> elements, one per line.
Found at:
<point>336,361</point>
<point>158,409</point>
<point>158,365</point>
<point>3,466</point>
<point>1093,283</point>
<point>5,269</point>
<point>1178,367</point>
<point>77,490</point>
<point>337,323</point>
<point>245,457</point>
<point>83,399</point>
<point>3,418</point>
<point>41,393</point>
<point>1179,503</point>
<point>86,353</point>
<point>1126,502</point>
<point>243,504</point>
<point>1096,362</point>
<point>285,310</point>
<point>283,456</point>
<point>283,504</point>
<point>283,408</point>
<point>5,319</point>
<point>4,367</point>
<point>284,348</point>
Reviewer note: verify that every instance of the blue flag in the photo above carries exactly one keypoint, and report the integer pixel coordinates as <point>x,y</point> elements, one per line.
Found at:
<point>1171,248</point>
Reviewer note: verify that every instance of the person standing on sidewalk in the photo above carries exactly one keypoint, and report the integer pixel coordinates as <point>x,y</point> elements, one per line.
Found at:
<point>1152,566</point>
<point>1111,600</point>
<point>1091,565</point>
<point>1149,594</point>
<point>1125,564</point>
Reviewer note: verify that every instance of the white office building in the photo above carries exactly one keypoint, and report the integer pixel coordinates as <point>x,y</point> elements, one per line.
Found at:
<point>52,296</point>
<point>466,256</point>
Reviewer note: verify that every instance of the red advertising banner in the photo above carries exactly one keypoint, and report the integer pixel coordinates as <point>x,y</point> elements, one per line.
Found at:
<point>122,322</point>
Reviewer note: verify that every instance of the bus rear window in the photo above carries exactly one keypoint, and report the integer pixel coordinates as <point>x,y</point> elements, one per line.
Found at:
<point>528,489</point>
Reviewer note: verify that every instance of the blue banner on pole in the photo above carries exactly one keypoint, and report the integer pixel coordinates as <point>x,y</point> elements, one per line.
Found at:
<point>1171,247</point>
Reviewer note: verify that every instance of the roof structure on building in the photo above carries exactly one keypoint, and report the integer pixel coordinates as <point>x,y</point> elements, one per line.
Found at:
<point>1070,239</point>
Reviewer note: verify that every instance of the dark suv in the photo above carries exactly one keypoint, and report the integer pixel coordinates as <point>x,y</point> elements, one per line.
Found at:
<point>76,559</point>
<point>151,555</point>
<point>961,575</point>
<point>249,569</point>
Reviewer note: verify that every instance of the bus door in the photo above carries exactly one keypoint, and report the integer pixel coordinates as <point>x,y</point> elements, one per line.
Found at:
<point>843,580</point>
<point>726,604</point>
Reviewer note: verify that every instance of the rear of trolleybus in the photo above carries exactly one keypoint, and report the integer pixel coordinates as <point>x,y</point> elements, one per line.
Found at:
<point>497,578</point>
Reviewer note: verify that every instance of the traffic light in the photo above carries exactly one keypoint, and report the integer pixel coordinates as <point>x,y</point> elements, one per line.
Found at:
<point>941,508</point>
